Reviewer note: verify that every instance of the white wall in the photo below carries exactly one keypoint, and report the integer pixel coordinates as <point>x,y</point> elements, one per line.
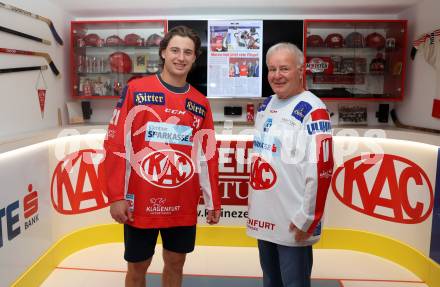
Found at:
<point>420,77</point>
<point>19,108</point>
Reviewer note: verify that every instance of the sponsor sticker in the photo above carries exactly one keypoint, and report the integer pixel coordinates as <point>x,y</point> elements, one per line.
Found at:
<point>168,133</point>
<point>301,110</point>
<point>149,98</point>
<point>195,108</point>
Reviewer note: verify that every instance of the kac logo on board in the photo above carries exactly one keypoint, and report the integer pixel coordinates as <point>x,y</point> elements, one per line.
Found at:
<point>387,187</point>
<point>77,183</point>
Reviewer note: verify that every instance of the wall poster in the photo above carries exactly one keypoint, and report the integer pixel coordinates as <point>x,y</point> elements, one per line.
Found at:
<point>234,59</point>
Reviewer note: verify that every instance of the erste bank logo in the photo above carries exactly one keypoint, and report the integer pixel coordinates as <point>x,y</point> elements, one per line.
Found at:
<point>387,187</point>
<point>12,215</point>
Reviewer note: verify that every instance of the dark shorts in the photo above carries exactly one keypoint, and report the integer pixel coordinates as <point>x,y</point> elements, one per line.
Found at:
<point>140,243</point>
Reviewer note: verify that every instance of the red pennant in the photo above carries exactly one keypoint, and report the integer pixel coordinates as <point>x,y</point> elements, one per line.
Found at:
<point>41,99</point>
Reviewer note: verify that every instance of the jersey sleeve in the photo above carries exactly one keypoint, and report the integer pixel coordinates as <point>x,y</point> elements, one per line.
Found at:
<point>317,168</point>
<point>115,162</point>
<point>209,163</point>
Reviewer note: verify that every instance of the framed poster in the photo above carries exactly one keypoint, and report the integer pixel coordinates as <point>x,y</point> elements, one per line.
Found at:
<point>234,59</point>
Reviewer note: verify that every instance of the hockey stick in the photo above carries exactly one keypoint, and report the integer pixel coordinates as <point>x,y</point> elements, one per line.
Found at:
<point>38,17</point>
<point>23,69</point>
<point>400,125</point>
<point>30,53</point>
<point>24,35</point>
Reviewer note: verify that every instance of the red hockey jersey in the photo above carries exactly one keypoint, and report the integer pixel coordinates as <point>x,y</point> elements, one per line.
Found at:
<point>161,153</point>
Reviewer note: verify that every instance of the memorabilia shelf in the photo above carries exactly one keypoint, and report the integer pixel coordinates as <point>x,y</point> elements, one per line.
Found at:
<point>355,59</point>
<point>106,54</point>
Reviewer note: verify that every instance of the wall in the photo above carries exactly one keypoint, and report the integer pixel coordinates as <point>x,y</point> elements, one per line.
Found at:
<point>19,111</point>
<point>421,82</point>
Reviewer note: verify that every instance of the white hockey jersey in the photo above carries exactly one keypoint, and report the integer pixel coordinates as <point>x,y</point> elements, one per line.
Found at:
<point>292,166</point>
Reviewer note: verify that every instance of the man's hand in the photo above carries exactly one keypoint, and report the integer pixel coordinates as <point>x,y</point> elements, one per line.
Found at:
<point>120,212</point>
<point>299,234</point>
<point>213,216</point>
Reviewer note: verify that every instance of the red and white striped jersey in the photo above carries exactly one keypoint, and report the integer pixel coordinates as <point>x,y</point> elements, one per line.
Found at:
<point>161,152</point>
<point>292,166</point>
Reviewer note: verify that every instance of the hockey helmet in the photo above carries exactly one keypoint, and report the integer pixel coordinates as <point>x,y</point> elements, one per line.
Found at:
<point>334,40</point>
<point>354,40</point>
<point>133,40</point>
<point>375,41</point>
<point>153,40</point>
<point>92,40</point>
<point>315,41</point>
<point>120,63</point>
<point>114,40</point>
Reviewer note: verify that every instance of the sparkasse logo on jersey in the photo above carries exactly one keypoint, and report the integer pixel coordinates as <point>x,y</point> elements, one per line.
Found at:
<point>263,175</point>
<point>77,186</point>
<point>167,168</point>
<point>387,187</point>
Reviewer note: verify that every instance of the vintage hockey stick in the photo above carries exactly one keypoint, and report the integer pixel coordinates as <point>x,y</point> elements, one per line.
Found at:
<point>400,125</point>
<point>24,35</point>
<point>23,69</point>
<point>38,17</point>
<point>31,53</point>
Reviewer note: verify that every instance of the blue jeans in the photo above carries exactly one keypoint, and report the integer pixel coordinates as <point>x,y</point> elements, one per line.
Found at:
<point>285,266</point>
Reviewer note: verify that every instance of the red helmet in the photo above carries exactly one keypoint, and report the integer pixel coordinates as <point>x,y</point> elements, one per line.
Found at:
<point>133,40</point>
<point>153,40</point>
<point>120,62</point>
<point>315,41</point>
<point>354,40</point>
<point>114,40</point>
<point>92,40</point>
<point>375,41</point>
<point>334,40</point>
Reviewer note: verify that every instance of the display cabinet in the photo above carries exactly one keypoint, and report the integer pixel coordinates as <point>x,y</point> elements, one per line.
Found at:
<point>106,54</point>
<point>355,59</point>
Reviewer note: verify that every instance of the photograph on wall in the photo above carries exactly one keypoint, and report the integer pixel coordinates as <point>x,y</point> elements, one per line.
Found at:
<point>352,114</point>
<point>234,59</point>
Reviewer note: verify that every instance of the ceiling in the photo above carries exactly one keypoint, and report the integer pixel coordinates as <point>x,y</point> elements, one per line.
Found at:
<point>132,8</point>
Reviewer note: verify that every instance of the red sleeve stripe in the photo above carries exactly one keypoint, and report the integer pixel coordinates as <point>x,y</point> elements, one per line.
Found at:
<point>324,169</point>
<point>320,114</point>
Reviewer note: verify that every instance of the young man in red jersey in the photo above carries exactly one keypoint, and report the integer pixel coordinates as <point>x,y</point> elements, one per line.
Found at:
<point>160,152</point>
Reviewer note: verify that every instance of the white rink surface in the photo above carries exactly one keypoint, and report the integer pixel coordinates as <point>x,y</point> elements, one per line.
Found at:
<point>103,265</point>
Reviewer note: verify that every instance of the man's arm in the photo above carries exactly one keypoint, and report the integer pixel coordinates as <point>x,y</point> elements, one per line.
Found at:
<point>209,168</point>
<point>115,160</point>
<point>318,169</point>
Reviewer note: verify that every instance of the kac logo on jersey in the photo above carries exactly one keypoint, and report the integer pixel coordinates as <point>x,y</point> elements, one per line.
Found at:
<point>267,125</point>
<point>301,110</point>
<point>195,108</point>
<point>386,186</point>
<point>167,168</point>
<point>149,98</point>
<point>263,175</point>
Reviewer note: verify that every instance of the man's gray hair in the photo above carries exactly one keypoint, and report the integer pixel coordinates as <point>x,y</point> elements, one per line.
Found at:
<point>292,48</point>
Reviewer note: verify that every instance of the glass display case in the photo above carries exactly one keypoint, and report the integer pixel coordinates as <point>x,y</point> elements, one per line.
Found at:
<point>106,54</point>
<point>355,59</point>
